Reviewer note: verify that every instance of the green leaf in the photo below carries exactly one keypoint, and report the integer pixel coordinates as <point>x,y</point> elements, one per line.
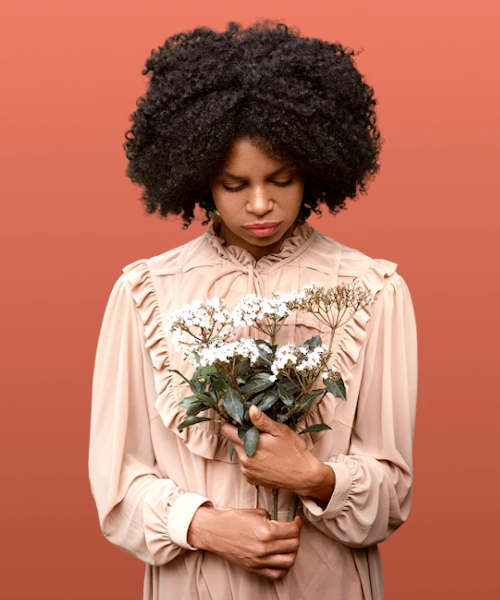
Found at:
<point>207,371</point>
<point>257,398</point>
<point>285,394</point>
<point>216,382</point>
<point>203,397</point>
<point>315,428</point>
<point>195,408</point>
<point>337,388</point>
<point>264,356</point>
<point>242,431</point>
<point>310,398</point>
<point>251,441</point>
<point>234,406</point>
<point>313,342</point>
<point>257,383</point>
<point>194,405</point>
<point>287,386</point>
<point>192,421</point>
<point>243,368</point>
<point>187,401</point>
<point>267,400</point>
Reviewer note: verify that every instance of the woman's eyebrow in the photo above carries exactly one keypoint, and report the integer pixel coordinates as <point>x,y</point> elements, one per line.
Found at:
<point>231,176</point>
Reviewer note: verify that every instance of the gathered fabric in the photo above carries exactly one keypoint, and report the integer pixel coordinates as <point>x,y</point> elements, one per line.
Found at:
<point>148,478</point>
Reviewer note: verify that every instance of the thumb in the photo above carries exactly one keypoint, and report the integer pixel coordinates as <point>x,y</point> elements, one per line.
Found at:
<point>263,422</point>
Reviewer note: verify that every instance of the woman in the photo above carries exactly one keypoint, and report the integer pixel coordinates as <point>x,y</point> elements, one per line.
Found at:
<point>258,127</point>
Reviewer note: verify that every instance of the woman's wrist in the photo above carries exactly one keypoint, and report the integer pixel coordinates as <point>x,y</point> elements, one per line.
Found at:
<point>200,528</point>
<point>320,485</point>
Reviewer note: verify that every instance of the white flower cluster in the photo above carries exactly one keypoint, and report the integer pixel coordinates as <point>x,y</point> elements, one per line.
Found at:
<point>200,314</point>
<point>219,352</point>
<point>252,308</point>
<point>344,295</point>
<point>302,358</point>
<point>210,317</point>
<point>207,329</point>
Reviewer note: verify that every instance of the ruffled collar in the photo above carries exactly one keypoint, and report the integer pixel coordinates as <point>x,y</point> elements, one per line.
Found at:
<point>301,237</point>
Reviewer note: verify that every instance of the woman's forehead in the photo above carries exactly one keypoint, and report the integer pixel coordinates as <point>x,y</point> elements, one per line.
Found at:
<point>248,155</point>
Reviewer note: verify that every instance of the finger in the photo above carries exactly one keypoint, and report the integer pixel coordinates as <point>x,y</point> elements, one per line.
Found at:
<point>231,433</point>
<point>263,422</point>
<point>273,574</point>
<point>279,561</point>
<point>286,546</point>
<point>261,512</point>
<point>287,529</point>
<point>240,451</point>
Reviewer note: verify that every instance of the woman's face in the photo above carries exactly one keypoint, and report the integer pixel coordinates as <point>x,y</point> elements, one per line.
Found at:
<point>258,199</point>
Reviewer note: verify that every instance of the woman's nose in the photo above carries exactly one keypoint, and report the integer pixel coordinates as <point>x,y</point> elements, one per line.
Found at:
<point>259,201</point>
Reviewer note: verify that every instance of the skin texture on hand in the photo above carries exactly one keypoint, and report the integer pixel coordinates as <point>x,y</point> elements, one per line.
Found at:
<point>248,539</point>
<point>282,460</point>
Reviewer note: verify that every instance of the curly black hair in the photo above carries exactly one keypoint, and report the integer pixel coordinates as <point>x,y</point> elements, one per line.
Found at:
<point>302,98</point>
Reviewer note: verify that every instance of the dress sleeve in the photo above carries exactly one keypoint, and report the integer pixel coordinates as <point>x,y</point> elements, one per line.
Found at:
<point>139,510</point>
<point>372,494</point>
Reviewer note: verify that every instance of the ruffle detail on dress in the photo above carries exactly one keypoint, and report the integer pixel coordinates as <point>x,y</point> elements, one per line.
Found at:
<point>203,438</point>
<point>143,293</point>
<point>290,246</point>
<point>347,347</point>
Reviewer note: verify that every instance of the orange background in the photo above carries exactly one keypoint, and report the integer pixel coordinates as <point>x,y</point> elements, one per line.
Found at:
<point>71,220</point>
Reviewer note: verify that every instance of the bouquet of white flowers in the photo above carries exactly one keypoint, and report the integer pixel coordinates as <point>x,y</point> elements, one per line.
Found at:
<point>282,381</point>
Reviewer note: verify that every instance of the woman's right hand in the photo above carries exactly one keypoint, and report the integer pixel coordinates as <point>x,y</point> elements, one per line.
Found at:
<point>247,538</point>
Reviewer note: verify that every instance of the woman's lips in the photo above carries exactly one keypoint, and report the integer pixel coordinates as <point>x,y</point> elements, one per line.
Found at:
<point>262,229</point>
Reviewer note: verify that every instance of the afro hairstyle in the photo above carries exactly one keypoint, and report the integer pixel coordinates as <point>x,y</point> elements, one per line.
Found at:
<point>302,99</point>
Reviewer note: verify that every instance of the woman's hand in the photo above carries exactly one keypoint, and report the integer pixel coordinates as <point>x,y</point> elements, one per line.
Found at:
<point>282,460</point>
<point>248,539</point>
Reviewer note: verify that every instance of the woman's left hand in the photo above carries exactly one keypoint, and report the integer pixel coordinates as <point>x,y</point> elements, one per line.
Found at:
<point>282,460</point>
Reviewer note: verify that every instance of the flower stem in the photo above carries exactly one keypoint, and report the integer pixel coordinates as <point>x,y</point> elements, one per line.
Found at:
<point>274,509</point>
<point>293,507</point>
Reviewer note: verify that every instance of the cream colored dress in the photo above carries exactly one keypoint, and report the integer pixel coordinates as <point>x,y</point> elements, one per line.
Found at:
<point>148,479</point>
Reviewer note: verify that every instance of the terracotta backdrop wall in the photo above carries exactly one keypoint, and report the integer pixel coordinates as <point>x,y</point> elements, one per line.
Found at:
<point>71,72</point>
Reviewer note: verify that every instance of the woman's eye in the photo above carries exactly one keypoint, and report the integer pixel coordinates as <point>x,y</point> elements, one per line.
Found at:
<point>237,188</point>
<point>283,183</point>
<point>233,189</point>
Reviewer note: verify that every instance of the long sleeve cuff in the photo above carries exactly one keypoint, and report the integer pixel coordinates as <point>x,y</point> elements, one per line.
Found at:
<point>180,516</point>
<point>343,482</point>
